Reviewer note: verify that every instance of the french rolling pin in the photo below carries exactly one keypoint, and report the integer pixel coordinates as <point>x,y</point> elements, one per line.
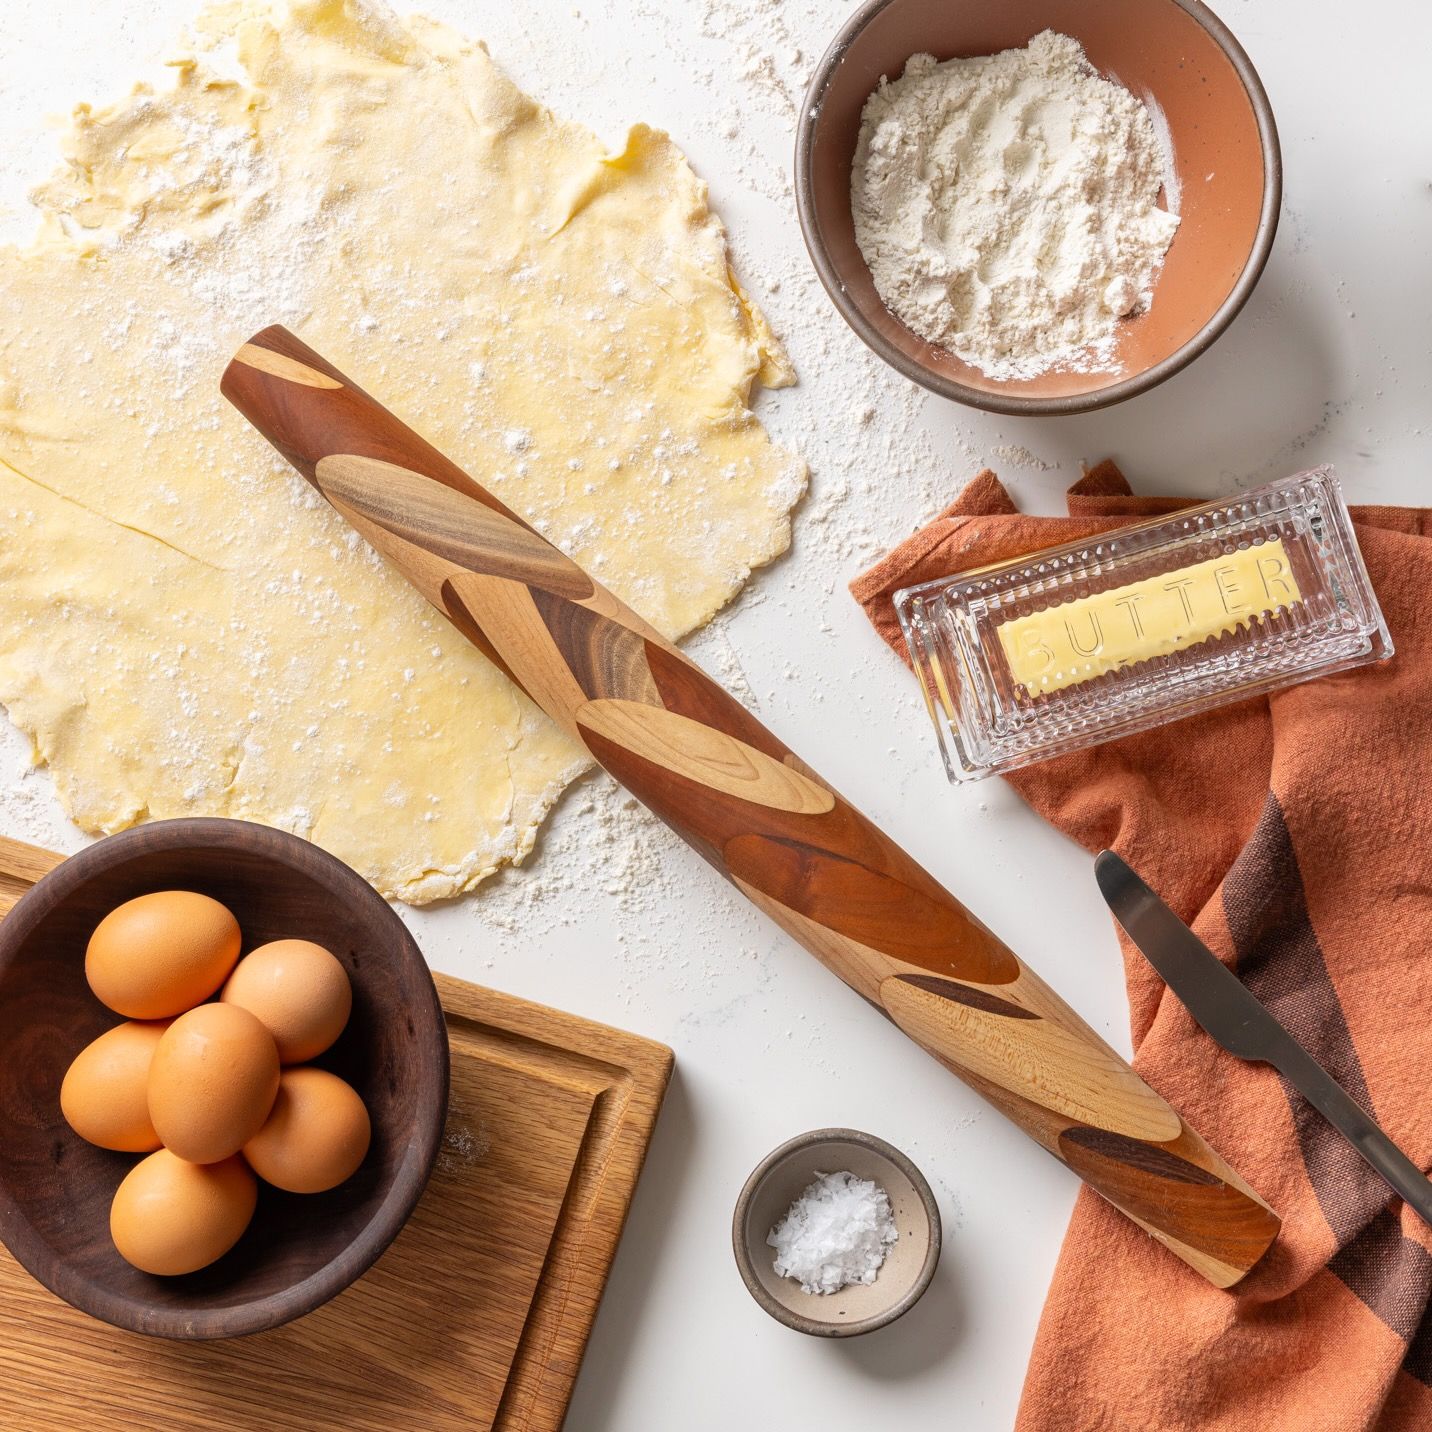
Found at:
<point>752,807</point>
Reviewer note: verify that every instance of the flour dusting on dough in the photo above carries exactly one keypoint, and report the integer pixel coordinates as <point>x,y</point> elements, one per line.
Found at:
<point>184,627</point>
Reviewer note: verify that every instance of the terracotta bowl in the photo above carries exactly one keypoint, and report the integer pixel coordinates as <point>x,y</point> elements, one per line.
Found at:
<point>781,1177</point>
<point>1176,53</point>
<point>55,1189</point>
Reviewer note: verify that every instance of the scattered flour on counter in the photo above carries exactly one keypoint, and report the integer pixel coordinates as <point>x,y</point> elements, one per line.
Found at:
<point>1008,205</point>
<point>1017,455</point>
<point>835,1234</point>
<point>462,1147</point>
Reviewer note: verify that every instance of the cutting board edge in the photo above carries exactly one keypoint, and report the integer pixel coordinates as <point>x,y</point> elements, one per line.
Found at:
<point>521,1016</point>
<point>579,1261</point>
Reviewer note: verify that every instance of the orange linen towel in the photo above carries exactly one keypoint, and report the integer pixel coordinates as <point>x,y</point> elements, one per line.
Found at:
<point>1292,832</point>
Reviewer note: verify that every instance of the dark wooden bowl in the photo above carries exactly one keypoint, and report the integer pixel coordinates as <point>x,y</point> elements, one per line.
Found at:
<point>55,1189</point>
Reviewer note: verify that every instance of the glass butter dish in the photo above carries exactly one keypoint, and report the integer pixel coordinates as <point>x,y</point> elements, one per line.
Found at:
<point>1079,644</point>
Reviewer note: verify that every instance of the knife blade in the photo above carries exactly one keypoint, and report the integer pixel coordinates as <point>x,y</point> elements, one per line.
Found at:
<point>1223,1007</point>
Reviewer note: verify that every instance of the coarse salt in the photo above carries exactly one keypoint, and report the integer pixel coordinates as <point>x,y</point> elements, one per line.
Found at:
<point>835,1234</point>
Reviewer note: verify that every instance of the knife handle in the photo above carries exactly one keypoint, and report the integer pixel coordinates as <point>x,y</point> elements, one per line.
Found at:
<point>751,807</point>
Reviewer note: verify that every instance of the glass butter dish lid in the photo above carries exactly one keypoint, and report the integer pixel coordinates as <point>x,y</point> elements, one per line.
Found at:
<point>1079,644</point>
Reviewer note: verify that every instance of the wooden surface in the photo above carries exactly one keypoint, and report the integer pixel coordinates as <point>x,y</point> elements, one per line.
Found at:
<point>752,808</point>
<point>475,1318</point>
<point>56,1189</point>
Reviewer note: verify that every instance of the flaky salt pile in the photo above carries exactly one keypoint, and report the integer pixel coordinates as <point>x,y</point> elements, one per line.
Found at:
<point>835,1234</point>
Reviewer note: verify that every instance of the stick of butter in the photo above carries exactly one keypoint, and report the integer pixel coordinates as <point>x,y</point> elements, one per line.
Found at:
<point>1079,640</point>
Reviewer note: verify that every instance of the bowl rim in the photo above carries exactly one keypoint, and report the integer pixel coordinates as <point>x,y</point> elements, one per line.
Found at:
<point>741,1247</point>
<point>347,1265</point>
<point>1068,404</point>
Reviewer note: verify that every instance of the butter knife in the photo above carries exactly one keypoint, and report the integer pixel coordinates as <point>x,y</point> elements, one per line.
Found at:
<point>1219,1002</point>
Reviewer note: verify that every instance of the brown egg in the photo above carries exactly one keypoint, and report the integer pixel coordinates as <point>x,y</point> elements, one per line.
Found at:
<point>105,1094</point>
<point>212,1082</point>
<point>171,1217</point>
<point>316,1136</point>
<point>299,992</point>
<point>161,954</point>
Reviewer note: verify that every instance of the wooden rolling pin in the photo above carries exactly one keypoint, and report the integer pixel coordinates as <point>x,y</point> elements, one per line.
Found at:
<point>762,817</point>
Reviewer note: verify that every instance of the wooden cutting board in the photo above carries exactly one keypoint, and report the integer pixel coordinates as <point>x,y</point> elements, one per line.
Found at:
<point>476,1318</point>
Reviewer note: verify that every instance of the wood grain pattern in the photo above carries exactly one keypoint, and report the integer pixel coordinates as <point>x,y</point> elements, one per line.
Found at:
<point>1044,1062</point>
<point>281,366</point>
<point>824,872</point>
<point>476,1318</point>
<point>702,754</point>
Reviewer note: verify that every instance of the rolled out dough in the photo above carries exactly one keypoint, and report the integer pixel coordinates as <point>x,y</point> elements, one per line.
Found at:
<point>184,628</point>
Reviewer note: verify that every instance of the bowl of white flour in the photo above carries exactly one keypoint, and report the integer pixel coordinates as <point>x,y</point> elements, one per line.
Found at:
<point>1037,206</point>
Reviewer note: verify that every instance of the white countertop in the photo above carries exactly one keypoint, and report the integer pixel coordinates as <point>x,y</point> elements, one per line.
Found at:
<point>613,918</point>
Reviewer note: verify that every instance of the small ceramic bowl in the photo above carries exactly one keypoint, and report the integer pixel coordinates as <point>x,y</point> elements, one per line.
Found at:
<point>781,1178</point>
<point>55,1189</point>
<point>1175,53</point>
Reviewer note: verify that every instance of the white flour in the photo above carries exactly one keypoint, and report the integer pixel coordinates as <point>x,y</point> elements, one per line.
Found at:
<point>1007,205</point>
